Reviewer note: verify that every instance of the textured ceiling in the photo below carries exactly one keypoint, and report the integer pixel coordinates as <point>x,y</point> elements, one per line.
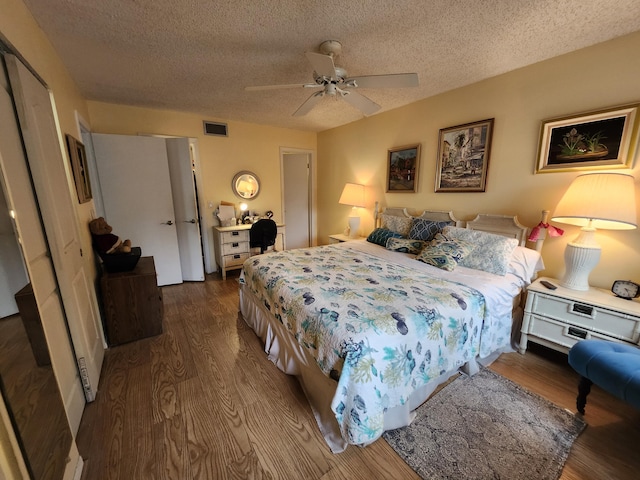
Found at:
<point>199,55</point>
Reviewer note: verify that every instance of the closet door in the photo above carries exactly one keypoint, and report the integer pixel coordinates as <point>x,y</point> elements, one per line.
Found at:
<point>54,195</point>
<point>186,209</point>
<point>137,197</point>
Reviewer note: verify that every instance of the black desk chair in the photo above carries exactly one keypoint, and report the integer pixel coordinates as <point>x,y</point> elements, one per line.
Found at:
<point>263,234</point>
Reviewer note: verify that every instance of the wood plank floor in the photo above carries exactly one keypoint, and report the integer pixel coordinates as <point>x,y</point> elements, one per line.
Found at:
<point>202,401</point>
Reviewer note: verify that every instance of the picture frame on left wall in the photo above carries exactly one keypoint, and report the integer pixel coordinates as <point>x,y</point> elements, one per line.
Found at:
<point>78,159</point>
<point>402,169</point>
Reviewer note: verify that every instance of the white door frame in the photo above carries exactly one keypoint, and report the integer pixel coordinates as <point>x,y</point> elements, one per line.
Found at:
<point>313,201</point>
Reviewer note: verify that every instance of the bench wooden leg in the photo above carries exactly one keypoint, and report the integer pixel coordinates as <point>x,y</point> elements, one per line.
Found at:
<point>584,387</point>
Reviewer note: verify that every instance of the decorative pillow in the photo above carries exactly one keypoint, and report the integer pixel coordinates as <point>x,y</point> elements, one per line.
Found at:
<point>380,236</point>
<point>401,225</point>
<point>405,245</point>
<point>491,252</point>
<point>423,229</point>
<point>444,253</point>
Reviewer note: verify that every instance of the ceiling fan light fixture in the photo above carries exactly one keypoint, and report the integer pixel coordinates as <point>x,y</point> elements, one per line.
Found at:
<point>333,80</point>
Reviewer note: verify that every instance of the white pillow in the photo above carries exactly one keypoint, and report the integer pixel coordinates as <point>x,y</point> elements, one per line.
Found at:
<point>491,252</point>
<point>525,264</point>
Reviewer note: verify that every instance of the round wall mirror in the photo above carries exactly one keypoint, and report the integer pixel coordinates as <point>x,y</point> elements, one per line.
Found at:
<point>246,185</point>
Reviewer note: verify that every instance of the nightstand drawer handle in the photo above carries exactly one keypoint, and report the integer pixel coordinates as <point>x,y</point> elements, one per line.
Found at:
<point>235,234</point>
<point>576,332</point>
<point>235,245</point>
<point>236,257</point>
<point>584,309</point>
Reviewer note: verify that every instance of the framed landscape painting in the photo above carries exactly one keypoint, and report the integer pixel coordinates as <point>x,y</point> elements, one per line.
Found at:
<point>463,157</point>
<point>402,169</point>
<point>78,159</point>
<point>590,141</point>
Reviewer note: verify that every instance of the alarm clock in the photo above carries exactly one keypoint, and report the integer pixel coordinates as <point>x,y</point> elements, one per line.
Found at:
<point>626,289</point>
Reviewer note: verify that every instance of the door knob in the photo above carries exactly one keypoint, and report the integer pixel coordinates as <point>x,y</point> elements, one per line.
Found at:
<point>168,223</point>
<point>193,220</point>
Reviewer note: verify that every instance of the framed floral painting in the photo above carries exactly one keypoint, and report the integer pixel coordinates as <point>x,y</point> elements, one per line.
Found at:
<point>597,140</point>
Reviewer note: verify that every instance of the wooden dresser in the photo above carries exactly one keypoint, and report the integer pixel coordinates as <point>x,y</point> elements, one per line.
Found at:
<point>232,246</point>
<point>132,303</point>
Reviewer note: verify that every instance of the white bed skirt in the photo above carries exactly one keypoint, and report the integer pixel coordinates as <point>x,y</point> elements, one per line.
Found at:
<point>293,359</point>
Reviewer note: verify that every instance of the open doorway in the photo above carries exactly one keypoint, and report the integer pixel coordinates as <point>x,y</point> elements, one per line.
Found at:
<point>298,196</point>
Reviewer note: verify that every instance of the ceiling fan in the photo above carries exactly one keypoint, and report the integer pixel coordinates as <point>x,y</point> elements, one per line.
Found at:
<point>333,81</point>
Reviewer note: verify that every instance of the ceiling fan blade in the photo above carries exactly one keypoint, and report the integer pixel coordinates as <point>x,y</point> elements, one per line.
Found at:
<point>395,80</point>
<point>308,104</point>
<point>322,64</point>
<point>365,105</point>
<point>277,87</point>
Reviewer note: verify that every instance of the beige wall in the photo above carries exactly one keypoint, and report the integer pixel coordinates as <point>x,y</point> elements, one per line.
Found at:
<point>247,147</point>
<point>597,77</point>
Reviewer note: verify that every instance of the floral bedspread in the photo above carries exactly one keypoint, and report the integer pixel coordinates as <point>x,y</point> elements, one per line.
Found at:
<point>380,329</point>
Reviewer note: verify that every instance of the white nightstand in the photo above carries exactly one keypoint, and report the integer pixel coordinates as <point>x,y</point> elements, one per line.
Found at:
<point>341,237</point>
<point>560,318</point>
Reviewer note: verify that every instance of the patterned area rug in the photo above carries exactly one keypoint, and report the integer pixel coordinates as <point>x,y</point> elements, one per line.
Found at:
<point>487,427</point>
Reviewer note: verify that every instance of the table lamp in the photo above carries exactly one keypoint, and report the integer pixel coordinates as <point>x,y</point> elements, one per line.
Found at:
<point>353,194</point>
<point>598,200</point>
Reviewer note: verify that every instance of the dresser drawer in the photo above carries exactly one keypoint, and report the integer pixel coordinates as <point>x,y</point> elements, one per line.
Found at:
<point>235,260</point>
<point>589,317</point>
<point>560,333</point>
<point>235,236</point>
<point>235,247</point>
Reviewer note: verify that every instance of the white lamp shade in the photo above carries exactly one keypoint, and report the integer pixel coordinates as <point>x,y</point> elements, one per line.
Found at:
<point>607,199</point>
<point>599,200</point>
<point>352,194</point>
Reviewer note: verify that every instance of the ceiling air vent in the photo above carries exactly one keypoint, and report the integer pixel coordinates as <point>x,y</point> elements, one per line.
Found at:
<point>214,128</point>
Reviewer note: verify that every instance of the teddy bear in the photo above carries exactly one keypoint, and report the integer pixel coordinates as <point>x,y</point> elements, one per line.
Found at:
<point>104,241</point>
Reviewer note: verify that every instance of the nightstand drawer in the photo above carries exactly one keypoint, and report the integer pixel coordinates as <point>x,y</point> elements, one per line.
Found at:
<point>589,317</point>
<point>560,333</point>
<point>235,247</point>
<point>235,259</point>
<point>235,236</point>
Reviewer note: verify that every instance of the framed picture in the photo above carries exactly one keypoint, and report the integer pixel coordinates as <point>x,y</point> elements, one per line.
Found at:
<point>463,157</point>
<point>590,141</point>
<point>402,169</point>
<point>78,158</point>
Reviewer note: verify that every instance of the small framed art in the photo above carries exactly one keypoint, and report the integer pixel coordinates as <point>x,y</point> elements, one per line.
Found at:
<point>78,158</point>
<point>463,157</point>
<point>402,169</point>
<point>589,141</point>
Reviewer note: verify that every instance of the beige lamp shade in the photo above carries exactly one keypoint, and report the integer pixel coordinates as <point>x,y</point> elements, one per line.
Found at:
<point>607,199</point>
<point>352,194</point>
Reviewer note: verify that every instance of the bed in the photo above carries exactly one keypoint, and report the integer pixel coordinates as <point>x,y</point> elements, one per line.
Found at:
<point>370,331</point>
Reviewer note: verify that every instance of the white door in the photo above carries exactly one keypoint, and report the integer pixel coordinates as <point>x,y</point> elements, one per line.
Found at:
<point>296,199</point>
<point>53,192</point>
<point>185,209</point>
<point>137,199</point>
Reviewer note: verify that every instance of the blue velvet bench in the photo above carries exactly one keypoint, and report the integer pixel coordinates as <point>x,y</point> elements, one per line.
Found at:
<point>614,367</point>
